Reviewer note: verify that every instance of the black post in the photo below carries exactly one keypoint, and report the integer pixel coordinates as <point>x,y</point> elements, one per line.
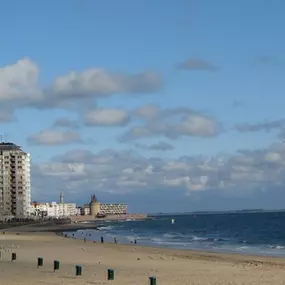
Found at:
<point>56,265</point>
<point>152,280</point>
<point>111,274</point>
<point>78,270</point>
<point>40,261</point>
<point>14,256</point>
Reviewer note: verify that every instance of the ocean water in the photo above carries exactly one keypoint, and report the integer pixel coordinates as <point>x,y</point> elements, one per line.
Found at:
<point>247,233</point>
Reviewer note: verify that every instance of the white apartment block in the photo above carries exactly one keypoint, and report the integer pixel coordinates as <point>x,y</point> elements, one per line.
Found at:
<point>85,210</point>
<point>54,210</point>
<point>15,185</point>
<point>113,209</point>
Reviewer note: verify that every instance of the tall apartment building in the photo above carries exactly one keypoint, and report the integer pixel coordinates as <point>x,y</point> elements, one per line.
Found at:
<point>15,186</point>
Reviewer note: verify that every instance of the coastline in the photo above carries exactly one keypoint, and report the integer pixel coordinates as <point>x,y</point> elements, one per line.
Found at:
<point>133,264</point>
<point>75,223</point>
<point>89,218</point>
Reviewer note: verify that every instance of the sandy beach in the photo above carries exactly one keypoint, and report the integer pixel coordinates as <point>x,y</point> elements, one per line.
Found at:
<point>132,264</point>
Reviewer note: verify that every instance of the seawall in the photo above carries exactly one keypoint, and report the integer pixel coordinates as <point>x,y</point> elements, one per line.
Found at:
<point>88,218</point>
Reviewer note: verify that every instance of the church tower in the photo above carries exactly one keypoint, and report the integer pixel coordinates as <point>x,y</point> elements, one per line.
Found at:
<point>94,206</point>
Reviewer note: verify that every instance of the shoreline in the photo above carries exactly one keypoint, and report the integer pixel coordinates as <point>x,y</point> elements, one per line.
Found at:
<point>181,253</point>
<point>133,264</point>
<point>240,249</point>
<point>187,251</point>
<point>61,229</point>
<point>67,228</point>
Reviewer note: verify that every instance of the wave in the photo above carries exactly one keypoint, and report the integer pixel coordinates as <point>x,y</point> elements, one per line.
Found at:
<point>189,237</point>
<point>277,246</point>
<point>195,243</point>
<point>210,233</point>
<point>105,228</point>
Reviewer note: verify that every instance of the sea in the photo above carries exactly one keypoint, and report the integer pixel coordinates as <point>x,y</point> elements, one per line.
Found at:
<point>261,233</point>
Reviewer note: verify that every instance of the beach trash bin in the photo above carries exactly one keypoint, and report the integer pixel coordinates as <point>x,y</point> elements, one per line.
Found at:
<point>111,274</point>
<point>56,265</point>
<point>40,261</point>
<point>14,256</point>
<point>78,270</point>
<point>152,280</point>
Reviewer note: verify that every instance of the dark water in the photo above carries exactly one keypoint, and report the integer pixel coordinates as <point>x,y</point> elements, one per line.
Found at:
<point>249,233</point>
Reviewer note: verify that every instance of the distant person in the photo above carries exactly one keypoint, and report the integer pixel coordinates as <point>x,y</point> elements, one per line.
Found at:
<point>135,241</point>
<point>85,240</point>
<point>115,240</point>
<point>102,239</point>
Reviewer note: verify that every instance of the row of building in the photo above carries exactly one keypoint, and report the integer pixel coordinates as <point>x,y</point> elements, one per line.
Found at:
<point>61,209</point>
<point>15,192</point>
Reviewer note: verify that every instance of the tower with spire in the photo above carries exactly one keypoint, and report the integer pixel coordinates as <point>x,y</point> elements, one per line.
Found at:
<point>61,198</point>
<point>94,206</point>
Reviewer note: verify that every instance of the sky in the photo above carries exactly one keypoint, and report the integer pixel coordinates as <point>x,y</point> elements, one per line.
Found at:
<point>166,105</point>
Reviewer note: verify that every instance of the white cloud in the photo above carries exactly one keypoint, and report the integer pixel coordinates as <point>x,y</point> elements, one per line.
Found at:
<point>127,171</point>
<point>106,117</point>
<point>98,82</point>
<point>54,137</point>
<point>19,86</point>
<point>173,123</point>
<point>19,81</point>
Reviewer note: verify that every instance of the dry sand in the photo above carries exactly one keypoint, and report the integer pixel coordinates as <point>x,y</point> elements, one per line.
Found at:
<point>132,264</point>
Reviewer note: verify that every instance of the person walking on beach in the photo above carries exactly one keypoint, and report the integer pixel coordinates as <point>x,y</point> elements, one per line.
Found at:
<point>115,240</point>
<point>102,240</point>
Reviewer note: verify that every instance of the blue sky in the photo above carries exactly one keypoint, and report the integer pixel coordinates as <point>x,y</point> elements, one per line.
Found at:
<point>234,63</point>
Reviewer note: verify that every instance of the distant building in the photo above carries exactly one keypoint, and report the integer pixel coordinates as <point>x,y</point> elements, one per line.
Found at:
<point>97,208</point>
<point>54,209</point>
<point>113,209</point>
<point>85,210</point>
<point>15,185</point>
